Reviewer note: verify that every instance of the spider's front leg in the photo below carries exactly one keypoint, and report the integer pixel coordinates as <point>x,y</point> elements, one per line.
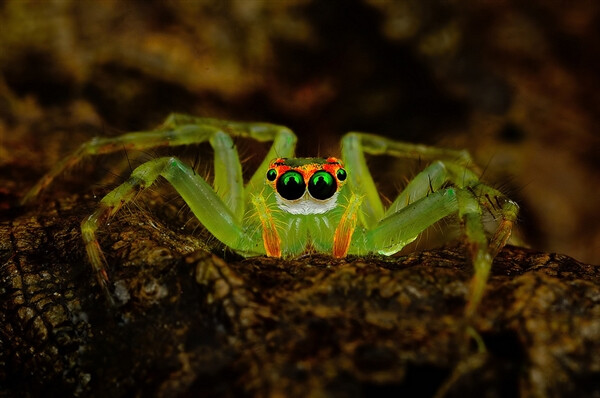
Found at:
<point>221,210</point>
<point>392,233</point>
<point>424,201</point>
<point>354,147</point>
<point>212,211</point>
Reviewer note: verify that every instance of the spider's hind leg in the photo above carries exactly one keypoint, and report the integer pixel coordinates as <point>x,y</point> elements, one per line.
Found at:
<point>176,130</point>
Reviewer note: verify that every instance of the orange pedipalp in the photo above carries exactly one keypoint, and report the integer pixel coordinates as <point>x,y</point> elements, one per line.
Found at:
<point>271,239</point>
<point>345,229</point>
<point>270,236</point>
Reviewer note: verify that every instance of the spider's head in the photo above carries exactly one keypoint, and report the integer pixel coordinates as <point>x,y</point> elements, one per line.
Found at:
<point>306,185</point>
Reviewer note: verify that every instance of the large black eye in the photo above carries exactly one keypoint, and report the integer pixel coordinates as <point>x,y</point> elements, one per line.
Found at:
<point>291,185</point>
<point>322,185</point>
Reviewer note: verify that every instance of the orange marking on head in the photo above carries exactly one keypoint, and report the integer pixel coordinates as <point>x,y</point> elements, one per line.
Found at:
<point>331,165</point>
<point>332,169</point>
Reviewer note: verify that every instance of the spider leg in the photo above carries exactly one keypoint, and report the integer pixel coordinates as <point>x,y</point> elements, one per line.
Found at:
<point>424,201</point>
<point>354,147</point>
<point>440,173</point>
<point>404,226</point>
<point>414,210</point>
<point>469,212</point>
<point>394,232</point>
<point>284,140</point>
<point>228,182</point>
<point>176,130</point>
<point>206,205</point>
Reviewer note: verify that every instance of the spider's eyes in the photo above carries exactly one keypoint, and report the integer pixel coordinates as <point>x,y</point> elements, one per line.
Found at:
<point>322,185</point>
<point>341,174</point>
<point>291,185</point>
<point>271,175</point>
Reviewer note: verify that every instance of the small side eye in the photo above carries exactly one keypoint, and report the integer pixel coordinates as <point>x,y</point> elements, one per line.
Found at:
<point>271,175</point>
<point>341,174</point>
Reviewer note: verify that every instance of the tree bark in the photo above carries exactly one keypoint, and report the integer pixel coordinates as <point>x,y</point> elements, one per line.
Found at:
<point>191,322</point>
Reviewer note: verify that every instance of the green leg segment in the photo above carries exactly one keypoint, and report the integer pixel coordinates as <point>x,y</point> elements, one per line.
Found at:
<point>228,182</point>
<point>180,130</point>
<point>220,210</point>
<point>206,205</point>
<point>392,233</point>
<point>284,140</point>
<point>469,213</point>
<point>430,180</point>
<point>424,201</point>
<point>441,173</point>
<point>354,147</point>
<point>402,227</point>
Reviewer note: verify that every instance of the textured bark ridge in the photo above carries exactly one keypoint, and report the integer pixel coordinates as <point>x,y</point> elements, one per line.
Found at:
<point>188,322</point>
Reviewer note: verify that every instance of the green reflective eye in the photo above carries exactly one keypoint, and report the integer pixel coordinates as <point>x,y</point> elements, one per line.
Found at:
<point>271,175</point>
<point>291,185</point>
<point>322,185</point>
<point>341,174</point>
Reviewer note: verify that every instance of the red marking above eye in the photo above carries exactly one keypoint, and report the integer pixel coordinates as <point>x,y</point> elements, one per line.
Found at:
<point>332,168</point>
<point>282,165</point>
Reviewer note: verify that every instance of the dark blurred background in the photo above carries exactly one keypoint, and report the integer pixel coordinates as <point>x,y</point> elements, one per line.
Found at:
<point>514,82</point>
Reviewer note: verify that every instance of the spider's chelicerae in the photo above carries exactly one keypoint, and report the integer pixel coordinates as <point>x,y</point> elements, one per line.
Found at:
<point>290,204</point>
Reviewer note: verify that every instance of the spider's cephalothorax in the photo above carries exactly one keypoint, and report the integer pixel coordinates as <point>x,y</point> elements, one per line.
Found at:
<point>306,185</point>
<point>291,205</point>
<point>303,208</point>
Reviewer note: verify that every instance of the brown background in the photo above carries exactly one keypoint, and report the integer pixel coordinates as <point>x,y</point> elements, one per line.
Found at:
<point>515,83</point>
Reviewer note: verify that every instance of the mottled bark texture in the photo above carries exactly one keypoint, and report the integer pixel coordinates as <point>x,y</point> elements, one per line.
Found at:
<point>190,323</point>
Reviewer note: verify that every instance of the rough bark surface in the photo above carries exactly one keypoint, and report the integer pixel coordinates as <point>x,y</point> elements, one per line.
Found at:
<point>190,323</point>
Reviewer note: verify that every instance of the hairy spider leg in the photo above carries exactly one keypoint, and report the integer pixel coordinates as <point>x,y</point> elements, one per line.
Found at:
<point>354,147</point>
<point>477,195</point>
<point>206,205</point>
<point>469,212</point>
<point>178,130</point>
<point>399,229</point>
<point>440,173</point>
<point>420,204</point>
<point>220,210</point>
<point>402,227</point>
